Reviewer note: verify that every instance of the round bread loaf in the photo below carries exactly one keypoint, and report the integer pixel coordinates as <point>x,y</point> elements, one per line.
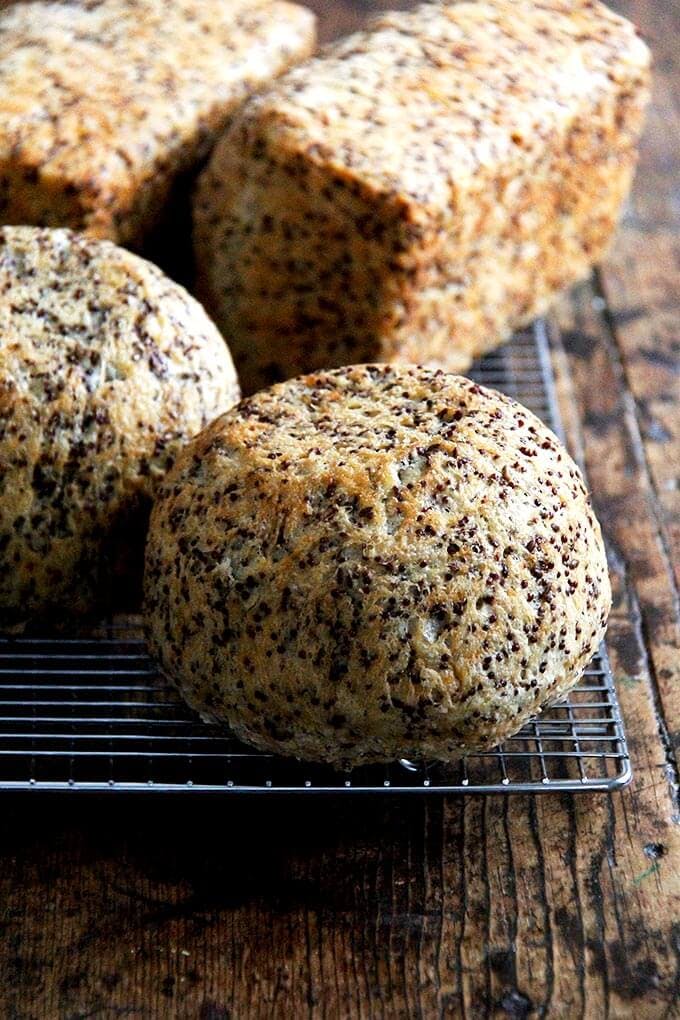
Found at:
<point>372,563</point>
<point>106,369</point>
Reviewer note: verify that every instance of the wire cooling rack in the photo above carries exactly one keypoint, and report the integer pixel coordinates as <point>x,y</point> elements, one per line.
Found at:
<point>90,712</point>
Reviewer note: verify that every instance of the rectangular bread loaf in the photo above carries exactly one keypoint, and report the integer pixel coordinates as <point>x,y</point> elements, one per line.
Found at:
<point>103,103</point>
<point>422,188</point>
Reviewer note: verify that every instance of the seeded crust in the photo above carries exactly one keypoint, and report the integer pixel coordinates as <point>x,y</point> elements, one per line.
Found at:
<point>106,369</point>
<point>421,189</point>
<point>375,562</point>
<point>104,102</point>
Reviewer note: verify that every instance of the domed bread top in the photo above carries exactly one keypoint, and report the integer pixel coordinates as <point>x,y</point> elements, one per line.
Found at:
<point>103,104</point>
<point>372,563</point>
<point>422,188</point>
<point>106,369</point>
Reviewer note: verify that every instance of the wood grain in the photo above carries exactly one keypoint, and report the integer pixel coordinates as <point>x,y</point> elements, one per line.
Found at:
<point>515,907</point>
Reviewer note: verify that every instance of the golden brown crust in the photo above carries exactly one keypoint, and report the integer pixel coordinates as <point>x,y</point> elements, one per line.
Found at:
<point>421,188</point>
<point>372,563</point>
<point>103,104</point>
<point>106,369</point>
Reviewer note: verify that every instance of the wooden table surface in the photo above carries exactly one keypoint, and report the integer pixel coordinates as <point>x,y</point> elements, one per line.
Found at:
<point>552,906</point>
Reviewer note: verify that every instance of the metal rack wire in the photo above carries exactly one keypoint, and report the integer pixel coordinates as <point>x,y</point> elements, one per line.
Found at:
<point>89,713</point>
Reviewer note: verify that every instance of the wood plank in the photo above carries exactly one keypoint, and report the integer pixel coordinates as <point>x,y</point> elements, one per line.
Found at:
<point>640,283</point>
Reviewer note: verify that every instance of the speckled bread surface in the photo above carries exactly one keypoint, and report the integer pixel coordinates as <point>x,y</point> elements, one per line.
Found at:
<point>106,369</point>
<point>104,102</point>
<point>422,188</point>
<point>375,562</point>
